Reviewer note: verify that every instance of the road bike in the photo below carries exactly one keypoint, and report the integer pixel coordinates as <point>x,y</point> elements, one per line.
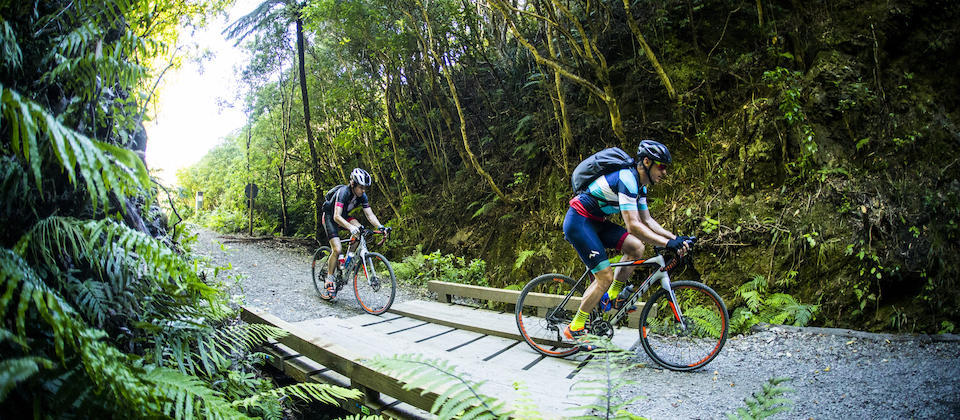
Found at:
<point>374,283</point>
<point>682,326</point>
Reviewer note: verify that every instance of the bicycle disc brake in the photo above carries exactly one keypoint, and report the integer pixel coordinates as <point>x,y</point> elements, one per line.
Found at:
<point>601,328</point>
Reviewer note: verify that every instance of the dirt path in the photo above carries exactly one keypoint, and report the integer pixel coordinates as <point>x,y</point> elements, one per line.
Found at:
<point>834,375</point>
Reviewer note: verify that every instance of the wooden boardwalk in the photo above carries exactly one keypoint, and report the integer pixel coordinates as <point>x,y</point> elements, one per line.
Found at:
<point>481,343</point>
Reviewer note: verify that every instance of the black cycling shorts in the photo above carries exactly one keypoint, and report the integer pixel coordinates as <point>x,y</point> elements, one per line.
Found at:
<point>331,228</point>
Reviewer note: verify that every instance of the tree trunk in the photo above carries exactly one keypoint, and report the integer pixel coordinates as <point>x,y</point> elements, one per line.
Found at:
<point>560,109</point>
<point>388,110</point>
<point>314,167</point>
<point>456,100</point>
<point>649,52</point>
<point>251,195</point>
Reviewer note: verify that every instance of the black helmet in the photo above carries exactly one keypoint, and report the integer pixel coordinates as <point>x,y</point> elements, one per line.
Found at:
<point>653,150</point>
<point>361,177</point>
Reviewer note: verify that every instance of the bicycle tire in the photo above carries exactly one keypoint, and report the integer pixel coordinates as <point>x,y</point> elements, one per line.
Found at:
<point>318,271</point>
<point>706,320</point>
<point>375,284</point>
<point>545,333</point>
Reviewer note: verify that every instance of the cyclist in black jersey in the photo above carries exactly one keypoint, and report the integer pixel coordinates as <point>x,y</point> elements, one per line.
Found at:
<point>336,216</point>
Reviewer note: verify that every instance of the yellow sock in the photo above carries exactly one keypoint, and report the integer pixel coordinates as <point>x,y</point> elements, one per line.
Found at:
<point>579,320</point>
<point>615,289</point>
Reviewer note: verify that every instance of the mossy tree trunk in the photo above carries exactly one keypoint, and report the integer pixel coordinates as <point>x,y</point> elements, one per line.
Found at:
<point>635,28</point>
<point>447,74</point>
<point>583,44</point>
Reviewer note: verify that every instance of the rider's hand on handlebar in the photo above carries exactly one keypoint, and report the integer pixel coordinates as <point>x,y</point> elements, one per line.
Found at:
<point>680,244</point>
<point>355,231</point>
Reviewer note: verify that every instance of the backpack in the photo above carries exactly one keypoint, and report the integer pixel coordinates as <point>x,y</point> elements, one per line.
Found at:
<point>600,163</point>
<point>330,196</point>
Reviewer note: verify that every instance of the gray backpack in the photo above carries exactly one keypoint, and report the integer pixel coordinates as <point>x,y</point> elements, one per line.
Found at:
<point>601,163</point>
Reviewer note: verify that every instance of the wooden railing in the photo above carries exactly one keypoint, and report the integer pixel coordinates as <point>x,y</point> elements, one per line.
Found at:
<point>446,291</point>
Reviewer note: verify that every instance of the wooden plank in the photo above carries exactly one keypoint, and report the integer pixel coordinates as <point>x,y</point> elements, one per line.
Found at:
<point>341,360</point>
<point>484,322</point>
<point>301,369</point>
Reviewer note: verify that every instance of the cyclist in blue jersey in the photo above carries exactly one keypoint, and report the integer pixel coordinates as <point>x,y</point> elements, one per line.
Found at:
<point>587,228</point>
<point>336,211</point>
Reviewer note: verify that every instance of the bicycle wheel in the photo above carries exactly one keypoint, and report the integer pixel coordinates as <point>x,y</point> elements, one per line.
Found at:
<point>696,341</point>
<point>546,306</point>
<point>375,284</point>
<point>318,271</point>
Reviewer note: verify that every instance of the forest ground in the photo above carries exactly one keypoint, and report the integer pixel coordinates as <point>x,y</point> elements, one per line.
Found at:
<point>835,374</point>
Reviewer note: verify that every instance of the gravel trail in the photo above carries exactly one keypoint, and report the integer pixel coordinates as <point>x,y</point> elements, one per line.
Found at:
<point>835,374</point>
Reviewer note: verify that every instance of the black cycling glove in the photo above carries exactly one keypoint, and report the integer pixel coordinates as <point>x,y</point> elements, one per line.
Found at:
<point>676,243</point>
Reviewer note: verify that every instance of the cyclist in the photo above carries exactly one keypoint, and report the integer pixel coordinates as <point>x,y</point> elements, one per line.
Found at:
<point>340,201</point>
<point>587,228</point>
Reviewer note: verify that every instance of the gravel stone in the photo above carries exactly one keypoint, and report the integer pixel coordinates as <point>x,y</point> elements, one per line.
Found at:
<point>834,376</point>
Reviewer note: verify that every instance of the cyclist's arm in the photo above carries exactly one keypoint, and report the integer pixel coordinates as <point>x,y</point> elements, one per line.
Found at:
<point>636,227</point>
<point>648,220</point>
<point>372,218</point>
<point>338,217</point>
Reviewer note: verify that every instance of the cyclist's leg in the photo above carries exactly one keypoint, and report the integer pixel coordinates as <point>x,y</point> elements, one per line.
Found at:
<point>355,222</point>
<point>581,232</point>
<point>333,238</point>
<point>632,248</point>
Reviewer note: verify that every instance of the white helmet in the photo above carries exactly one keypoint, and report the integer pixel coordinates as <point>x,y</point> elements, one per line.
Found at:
<point>361,177</point>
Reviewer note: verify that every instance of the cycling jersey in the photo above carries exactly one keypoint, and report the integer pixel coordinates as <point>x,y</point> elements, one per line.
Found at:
<point>344,199</point>
<point>586,226</point>
<point>610,194</point>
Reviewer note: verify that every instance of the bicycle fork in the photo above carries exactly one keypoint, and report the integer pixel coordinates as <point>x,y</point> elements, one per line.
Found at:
<point>665,284</point>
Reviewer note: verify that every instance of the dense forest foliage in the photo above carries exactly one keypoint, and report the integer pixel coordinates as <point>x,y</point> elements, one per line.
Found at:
<point>811,140</point>
<point>103,311</point>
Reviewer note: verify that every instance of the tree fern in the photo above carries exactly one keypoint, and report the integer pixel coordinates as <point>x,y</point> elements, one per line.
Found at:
<point>766,403</point>
<point>104,168</point>
<point>605,374</point>
<point>460,397</point>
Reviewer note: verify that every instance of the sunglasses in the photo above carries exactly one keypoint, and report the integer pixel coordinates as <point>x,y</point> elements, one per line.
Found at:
<point>662,166</point>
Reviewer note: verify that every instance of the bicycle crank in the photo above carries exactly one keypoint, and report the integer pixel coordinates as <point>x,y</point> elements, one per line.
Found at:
<point>601,328</point>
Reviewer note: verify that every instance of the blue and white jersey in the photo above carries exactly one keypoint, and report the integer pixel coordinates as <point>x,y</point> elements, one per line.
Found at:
<point>611,193</point>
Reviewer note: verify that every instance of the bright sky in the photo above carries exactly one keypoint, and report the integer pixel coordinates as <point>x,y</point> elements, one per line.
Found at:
<point>190,118</point>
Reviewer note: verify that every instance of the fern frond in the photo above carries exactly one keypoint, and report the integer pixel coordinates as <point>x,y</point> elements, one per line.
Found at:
<point>307,392</point>
<point>603,377</point>
<point>102,167</point>
<point>247,24</point>
<point>187,395</point>
<point>91,299</point>
<point>13,371</point>
<point>9,47</point>
<point>765,403</point>
<point>106,367</point>
<point>459,394</point>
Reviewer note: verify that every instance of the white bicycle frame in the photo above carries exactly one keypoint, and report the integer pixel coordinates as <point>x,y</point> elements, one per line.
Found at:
<point>660,274</point>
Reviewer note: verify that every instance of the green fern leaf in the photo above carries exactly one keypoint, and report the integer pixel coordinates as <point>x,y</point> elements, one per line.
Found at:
<point>13,371</point>
<point>329,394</point>
<point>186,391</point>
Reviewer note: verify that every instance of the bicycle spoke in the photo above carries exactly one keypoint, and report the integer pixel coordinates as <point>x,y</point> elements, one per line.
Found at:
<point>374,284</point>
<point>318,271</point>
<point>541,318</point>
<point>689,344</point>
